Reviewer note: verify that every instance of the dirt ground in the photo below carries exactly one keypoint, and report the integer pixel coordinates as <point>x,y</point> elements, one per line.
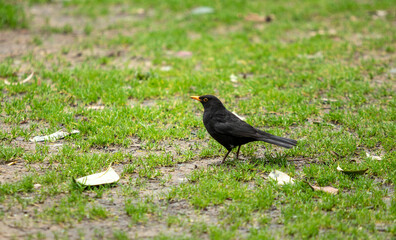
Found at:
<point>19,222</point>
<point>18,43</point>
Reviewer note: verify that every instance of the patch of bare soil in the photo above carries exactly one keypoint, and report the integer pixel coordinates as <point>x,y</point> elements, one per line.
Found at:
<point>21,222</point>
<point>12,173</point>
<point>18,42</point>
<point>46,36</point>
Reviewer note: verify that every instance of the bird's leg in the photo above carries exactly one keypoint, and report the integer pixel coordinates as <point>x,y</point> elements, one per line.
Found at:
<point>239,147</point>
<point>226,156</point>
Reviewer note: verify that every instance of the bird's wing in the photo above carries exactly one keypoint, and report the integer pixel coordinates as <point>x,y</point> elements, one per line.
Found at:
<point>234,127</point>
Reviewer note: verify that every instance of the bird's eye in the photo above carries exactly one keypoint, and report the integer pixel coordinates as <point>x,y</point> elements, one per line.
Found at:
<point>205,99</point>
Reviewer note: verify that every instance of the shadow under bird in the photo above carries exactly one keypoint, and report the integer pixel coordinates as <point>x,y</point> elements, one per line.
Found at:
<point>230,131</point>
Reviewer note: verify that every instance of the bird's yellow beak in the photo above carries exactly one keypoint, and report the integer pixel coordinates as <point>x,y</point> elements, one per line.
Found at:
<point>195,98</point>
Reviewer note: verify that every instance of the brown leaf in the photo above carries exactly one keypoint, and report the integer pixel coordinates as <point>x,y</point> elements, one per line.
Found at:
<point>327,189</point>
<point>254,17</point>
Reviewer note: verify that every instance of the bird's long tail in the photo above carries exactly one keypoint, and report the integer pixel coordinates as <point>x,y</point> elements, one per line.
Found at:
<point>280,141</point>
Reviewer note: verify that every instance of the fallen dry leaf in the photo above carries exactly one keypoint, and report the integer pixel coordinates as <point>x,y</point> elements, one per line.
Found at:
<point>254,17</point>
<point>280,177</point>
<point>379,14</point>
<point>94,107</point>
<point>202,10</point>
<point>21,82</point>
<point>233,78</point>
<point>374,157</point>
<point>106,177</point>
<point>166,68</point>
<point>327,189</point>
<point>328,100</point>
<point>52,137</point>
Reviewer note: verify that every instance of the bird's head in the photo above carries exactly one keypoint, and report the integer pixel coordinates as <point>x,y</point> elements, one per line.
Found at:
<point>208,101</point>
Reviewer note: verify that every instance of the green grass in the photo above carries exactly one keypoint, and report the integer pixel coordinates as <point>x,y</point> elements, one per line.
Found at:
<point>9,153</point>
<point>318,73</point>
<point>12,15</point>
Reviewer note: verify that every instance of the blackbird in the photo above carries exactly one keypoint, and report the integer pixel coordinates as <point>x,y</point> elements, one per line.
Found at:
<point>230,131</point>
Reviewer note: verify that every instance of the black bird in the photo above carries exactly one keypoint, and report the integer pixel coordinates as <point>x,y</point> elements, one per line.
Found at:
<point>230,131</point>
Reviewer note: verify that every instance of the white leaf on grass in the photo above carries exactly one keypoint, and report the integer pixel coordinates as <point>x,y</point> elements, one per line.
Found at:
<point>356,172</point>
<point>381,13</point>
<point>280,177</point>
<point>21,82</point>
<point>328,100</point>
<point>95,107</point>
<point>233,78</point>
<point>311,56</point>
<point>374,157</point>
<point>52,137</point>
<point>166,68</point>
<point>202,10</point>
<point>181,180</point>
<point>240,117</point>
<point>106,177</point>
